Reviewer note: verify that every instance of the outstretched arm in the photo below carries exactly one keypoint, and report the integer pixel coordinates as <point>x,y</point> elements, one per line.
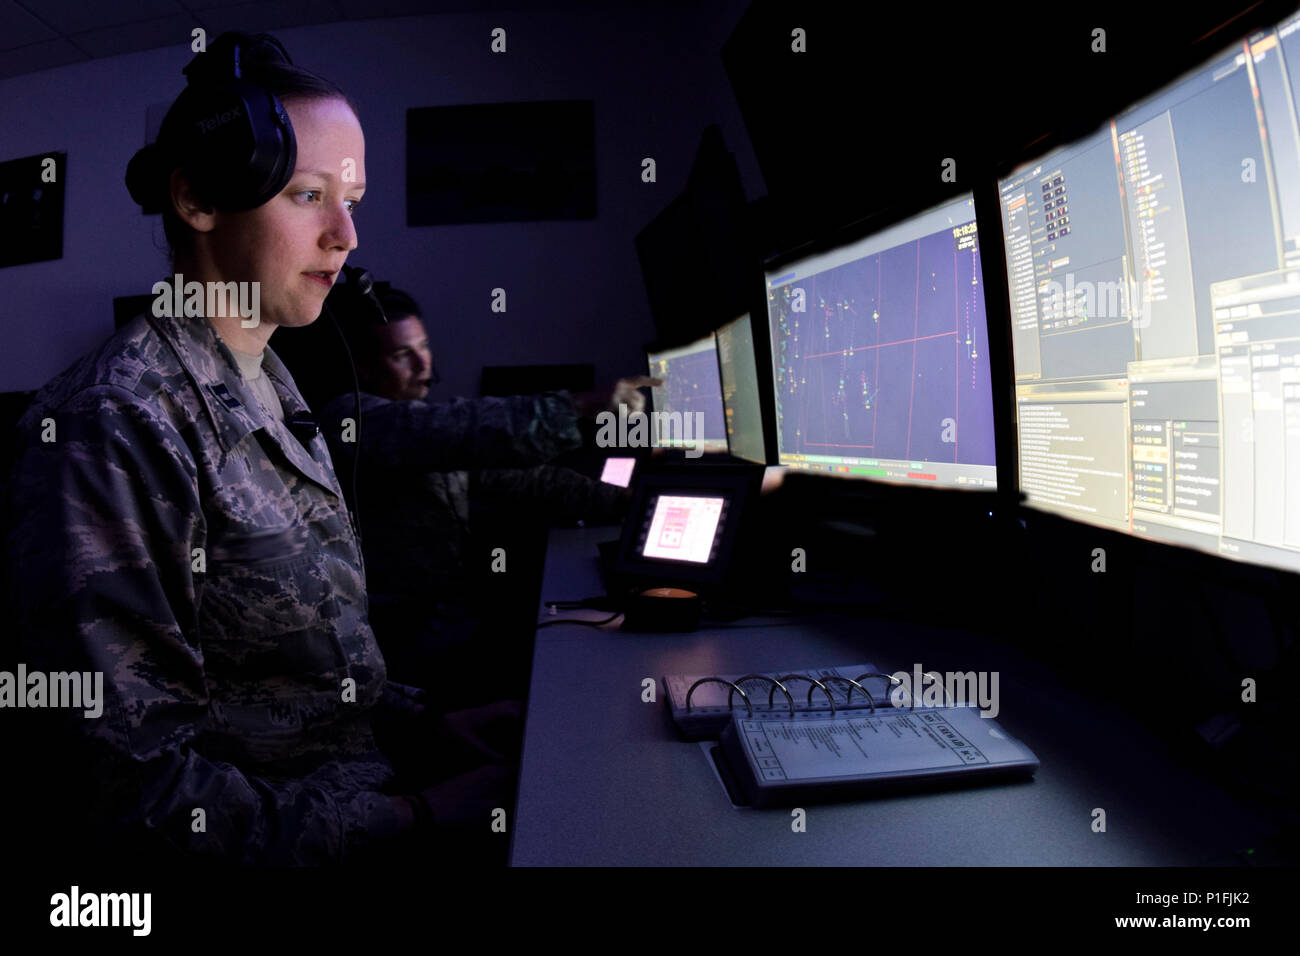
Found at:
<point>519,430</point>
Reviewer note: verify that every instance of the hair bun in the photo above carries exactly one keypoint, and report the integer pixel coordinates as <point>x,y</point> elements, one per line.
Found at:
<point>147,180</point>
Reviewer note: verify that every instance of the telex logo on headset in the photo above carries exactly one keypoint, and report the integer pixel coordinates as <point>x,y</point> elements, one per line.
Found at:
<point>218,120</point>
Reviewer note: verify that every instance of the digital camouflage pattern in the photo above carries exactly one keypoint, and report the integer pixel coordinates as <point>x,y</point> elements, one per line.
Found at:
<point>178,538</point>
<point>415,483</point>
<point>439,613</point>
<point>554,493</point>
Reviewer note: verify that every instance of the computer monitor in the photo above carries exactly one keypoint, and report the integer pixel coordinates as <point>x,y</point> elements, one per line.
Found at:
<point>1153,270</point>
<point>688,409</point>
<point>740,402</point>
<point>880,355</point>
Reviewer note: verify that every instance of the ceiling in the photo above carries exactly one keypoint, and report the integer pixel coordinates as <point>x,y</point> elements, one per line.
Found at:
<point>43,34</point>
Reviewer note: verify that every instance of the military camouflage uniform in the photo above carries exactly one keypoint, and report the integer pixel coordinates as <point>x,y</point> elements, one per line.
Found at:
<point>415,485</point>
<point>178,538</point>
<point>415,493</point>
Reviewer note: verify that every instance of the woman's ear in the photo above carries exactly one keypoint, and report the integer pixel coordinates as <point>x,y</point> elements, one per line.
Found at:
<point>197,214</point>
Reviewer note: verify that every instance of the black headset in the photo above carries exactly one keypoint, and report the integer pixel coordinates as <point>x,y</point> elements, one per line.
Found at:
<point>233,138</point>
<point>356,297</point>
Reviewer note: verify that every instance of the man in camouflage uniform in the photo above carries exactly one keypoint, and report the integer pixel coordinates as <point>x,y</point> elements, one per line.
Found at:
<point>171,533</point>
<point>425,467</point>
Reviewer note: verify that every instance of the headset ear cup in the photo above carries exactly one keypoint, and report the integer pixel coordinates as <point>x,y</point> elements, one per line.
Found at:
<point>241,142</point>
<point>233,139</point>
<point>275,148</point>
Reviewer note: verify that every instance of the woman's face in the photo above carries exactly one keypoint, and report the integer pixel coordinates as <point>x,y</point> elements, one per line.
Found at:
<point>305,230</point>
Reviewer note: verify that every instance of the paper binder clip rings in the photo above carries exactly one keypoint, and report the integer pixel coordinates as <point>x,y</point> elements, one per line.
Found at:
<point>770,694</point>
<point>894,680</point>
<point>735,687</point>
<point>814,684</point>
<point>730,694</point>
<point>848,698</point>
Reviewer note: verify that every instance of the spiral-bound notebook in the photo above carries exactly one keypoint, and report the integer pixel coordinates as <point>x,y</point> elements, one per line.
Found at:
<point>820,757</point>
<point>840,739</point>
<point>703,704</point>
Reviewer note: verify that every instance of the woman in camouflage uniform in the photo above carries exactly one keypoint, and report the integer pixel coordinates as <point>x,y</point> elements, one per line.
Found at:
<point>172,533</point>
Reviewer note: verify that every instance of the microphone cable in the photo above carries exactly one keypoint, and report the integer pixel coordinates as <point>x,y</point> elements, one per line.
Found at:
<point>355,509</point>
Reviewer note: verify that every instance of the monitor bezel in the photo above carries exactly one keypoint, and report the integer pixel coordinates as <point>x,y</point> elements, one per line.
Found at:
<point>758,389</point>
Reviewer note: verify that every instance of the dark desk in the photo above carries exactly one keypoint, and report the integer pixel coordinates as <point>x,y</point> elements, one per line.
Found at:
<point>604,779</point>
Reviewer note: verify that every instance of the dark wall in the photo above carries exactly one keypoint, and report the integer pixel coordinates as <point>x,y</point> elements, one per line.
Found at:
<point>574,288</point>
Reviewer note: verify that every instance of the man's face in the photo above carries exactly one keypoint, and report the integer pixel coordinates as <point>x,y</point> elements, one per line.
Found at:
<point>403,363</point>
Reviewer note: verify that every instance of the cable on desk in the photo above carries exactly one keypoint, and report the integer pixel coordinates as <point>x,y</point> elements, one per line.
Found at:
<point>574,620</point>
<point>737,627</point>
<point>601,603</point>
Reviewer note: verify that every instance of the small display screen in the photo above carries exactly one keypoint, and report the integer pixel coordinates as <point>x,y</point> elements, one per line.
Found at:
<point>684,528</point>
<point>618,471</point>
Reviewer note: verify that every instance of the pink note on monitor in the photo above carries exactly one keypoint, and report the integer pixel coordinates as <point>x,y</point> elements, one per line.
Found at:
<point>618,471</point>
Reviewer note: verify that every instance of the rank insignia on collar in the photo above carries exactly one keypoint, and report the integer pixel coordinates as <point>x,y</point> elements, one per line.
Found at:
<point>223,395</point>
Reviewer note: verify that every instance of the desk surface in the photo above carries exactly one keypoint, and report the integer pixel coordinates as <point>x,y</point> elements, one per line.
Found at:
<point>604,779</point>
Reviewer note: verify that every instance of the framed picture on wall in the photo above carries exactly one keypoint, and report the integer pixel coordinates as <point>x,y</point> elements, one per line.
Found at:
<point>500,162</point>
<point>31,208</point>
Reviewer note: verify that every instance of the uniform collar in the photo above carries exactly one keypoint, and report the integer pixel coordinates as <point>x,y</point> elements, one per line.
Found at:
<point>232,407</point>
